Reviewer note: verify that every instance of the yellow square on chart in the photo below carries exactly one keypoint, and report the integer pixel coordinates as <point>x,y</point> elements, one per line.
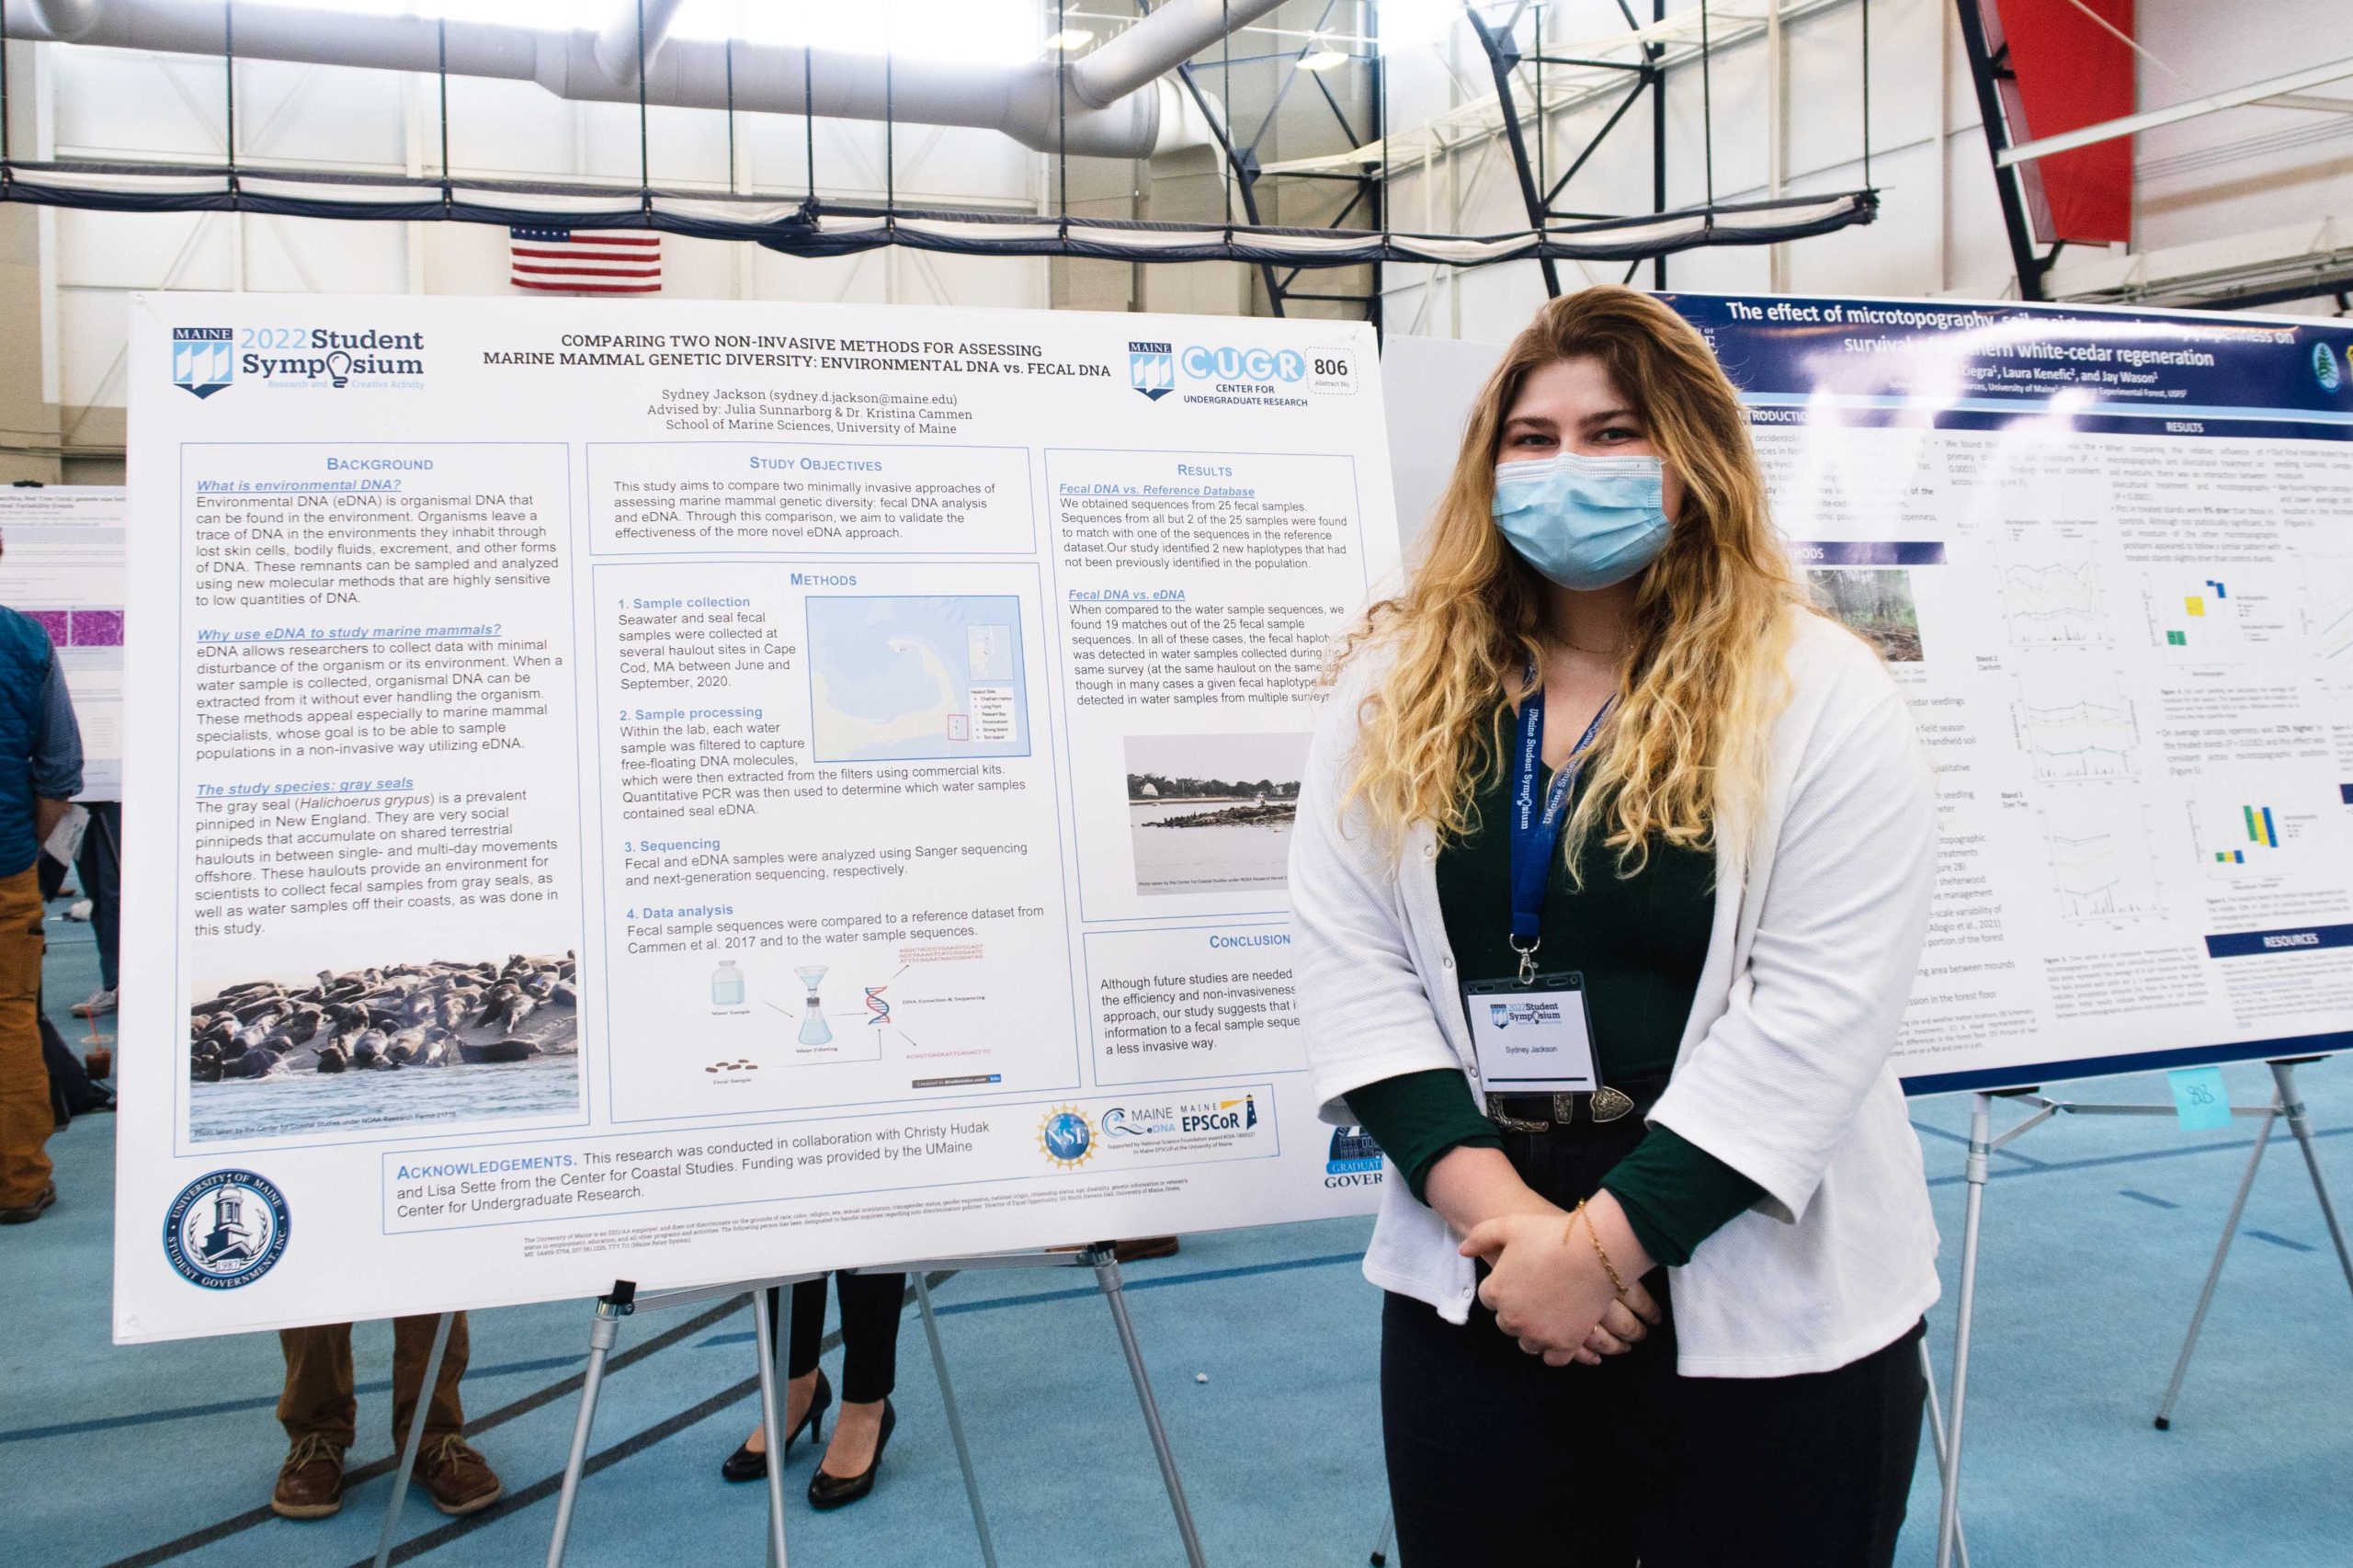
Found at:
<point>2194,604</point>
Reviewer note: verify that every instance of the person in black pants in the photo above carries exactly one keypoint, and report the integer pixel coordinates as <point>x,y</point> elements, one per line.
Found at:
<point>100,863</point>
<point>871,1304</point>
<point>1610,877</point>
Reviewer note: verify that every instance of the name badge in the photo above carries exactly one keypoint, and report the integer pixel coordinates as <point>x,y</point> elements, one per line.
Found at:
<point>1532,1039</point>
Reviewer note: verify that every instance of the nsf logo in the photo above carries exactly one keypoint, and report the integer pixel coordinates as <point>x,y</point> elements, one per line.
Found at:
<point>203,359</point>
<point>1151,368</point>
<point>226,1230</point>
<point>2325,368</point>
<point>1205,364</point>
<point>1066,1137</point>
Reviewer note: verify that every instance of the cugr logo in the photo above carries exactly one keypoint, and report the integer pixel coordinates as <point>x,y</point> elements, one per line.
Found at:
<point>1205,364</point>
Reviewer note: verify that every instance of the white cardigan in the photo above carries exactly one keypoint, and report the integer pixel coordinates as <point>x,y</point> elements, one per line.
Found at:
<point>1782,1072</point>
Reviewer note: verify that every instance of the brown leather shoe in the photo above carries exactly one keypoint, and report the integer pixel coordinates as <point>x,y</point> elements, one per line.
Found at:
<point>25,1213</point>
<point>458,1479</point>
<point>310,1483</point>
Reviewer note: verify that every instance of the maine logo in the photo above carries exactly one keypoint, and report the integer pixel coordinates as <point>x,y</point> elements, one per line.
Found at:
<point>1066,1137</point>
<point>2325,368</point>
<point>1151,368</point>
<point>226,1230</point>
<point>1499,1013</point>
<point>203,359</point>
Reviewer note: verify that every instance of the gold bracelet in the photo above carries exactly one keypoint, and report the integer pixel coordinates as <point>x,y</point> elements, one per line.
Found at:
<point>1616,1283</point>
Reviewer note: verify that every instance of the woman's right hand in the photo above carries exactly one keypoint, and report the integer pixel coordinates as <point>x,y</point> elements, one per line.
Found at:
<point>1469,1187</point>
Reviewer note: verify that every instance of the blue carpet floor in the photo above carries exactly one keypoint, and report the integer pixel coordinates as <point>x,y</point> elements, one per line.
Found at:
<point>2098,1232</point>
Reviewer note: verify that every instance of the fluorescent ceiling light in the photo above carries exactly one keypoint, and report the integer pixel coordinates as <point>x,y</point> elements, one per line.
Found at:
<point>1323,60</point>
<point>1069,38</point>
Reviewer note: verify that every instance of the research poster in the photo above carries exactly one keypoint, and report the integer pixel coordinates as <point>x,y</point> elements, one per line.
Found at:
<point>2109,557</point>
<point>62,555</point>
<point>701,791</point>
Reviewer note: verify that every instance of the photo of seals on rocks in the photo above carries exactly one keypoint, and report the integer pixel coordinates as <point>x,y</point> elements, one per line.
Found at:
<point>386,1021</point>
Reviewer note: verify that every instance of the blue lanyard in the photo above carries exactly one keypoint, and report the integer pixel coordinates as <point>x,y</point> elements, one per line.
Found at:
<point>1535,834</point>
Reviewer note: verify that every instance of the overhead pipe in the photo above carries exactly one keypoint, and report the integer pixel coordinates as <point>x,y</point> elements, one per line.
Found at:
<point>66,20</point>
<point>637,26</point>
<point>1112,103</point>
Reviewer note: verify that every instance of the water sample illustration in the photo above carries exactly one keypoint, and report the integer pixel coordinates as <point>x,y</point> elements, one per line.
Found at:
<point>727,984</point>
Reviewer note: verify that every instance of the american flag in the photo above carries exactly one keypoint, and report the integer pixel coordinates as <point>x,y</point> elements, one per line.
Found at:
<point>585,261</point>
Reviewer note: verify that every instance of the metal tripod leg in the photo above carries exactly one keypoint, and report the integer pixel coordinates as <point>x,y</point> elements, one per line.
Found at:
<point>1980,1149</point>
<point>1387,1537</point>
<point>764,1339</point>
<point>603,1330</point>
<point>1106,1263</point>
<point>2214,1274</point>
<point>415,1437</point>
<point>1936,1435</point>
<point>955,1421</point>
<point>2292,1106</point>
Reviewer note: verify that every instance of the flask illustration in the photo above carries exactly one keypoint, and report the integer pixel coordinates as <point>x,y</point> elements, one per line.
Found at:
<point>727,984</point>
<point>814,1030</point>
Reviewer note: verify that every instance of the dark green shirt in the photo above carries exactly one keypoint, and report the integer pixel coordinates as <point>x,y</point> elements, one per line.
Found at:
<point>1640,942</point>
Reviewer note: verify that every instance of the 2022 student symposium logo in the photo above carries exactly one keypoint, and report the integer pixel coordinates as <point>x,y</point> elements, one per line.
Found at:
<point>226,1230</point>
<point>207,359</point>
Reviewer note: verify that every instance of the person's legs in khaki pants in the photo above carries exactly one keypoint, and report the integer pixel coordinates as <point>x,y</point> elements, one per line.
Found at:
<point>318,1397</point>
<point>26,1118</point>
<point>319,1411</point>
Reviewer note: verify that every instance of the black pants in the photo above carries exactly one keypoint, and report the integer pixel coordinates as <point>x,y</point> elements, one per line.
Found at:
<point>1496,1459</point>
<point>871,1305</point>
<point>100,863</point>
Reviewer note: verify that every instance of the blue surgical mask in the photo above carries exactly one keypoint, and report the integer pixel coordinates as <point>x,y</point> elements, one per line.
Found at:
<point>1584,522</point>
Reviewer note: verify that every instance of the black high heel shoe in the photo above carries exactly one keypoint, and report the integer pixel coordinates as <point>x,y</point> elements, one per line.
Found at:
<point>744,1464</point>
<point>840,1491</point>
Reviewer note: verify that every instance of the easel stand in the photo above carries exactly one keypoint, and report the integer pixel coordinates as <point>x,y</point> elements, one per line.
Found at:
<point>625,1300</point>
<point>414,1439</point>
<point>1103,1258</point>
<point>2285,1102</point>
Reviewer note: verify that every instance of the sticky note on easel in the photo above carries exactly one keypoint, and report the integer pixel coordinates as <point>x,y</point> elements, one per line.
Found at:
<point>2198,1099</point>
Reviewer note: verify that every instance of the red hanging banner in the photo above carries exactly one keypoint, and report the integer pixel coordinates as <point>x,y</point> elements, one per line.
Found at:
<point>2066,71</point>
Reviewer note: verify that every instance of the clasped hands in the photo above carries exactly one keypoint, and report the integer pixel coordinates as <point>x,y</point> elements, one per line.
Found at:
<point>1550,1289</point>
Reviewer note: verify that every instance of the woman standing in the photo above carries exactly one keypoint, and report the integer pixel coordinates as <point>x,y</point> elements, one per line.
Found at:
<point>871,1304</point>
<point>1612,871</point>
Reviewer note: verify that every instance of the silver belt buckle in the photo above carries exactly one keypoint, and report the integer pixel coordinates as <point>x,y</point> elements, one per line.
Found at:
<point>1564,1108</point>
<point>1513,1123</point>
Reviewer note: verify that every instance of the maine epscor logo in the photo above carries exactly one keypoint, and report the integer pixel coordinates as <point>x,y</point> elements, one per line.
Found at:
<point>204,359</point>
<point>226,1230</point>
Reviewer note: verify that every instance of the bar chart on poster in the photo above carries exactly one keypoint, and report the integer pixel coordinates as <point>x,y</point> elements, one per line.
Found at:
<point>765,789</point>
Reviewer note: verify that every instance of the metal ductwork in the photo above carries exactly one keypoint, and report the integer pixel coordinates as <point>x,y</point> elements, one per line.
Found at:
<point>1113,102</point>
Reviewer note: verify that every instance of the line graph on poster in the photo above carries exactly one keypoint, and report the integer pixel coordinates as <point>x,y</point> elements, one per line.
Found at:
<point>2102,865</point>
<point>2051,600</point>
<point>2075,724</point>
